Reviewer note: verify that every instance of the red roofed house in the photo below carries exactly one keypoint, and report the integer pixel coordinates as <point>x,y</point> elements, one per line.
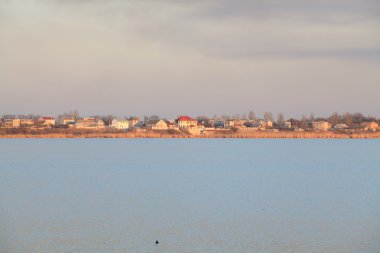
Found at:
<point>186,122</point>
<point>47,121</point>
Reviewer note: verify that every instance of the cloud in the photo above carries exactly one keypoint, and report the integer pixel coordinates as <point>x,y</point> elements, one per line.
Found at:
<point>112,56</point>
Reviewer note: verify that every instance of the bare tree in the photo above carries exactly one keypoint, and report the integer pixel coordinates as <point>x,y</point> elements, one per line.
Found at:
<point>334,119</point>
<point>107,119</point>
<point>268,116</point>
<point>225,117</point>
<point>358,118</point>
<point>303,122</point>
<point>74,114</point>
<point>347,118</point>
<point>280,119</point>
<point>152,117</point>
<point>251,115</point>
<point>312,118</point>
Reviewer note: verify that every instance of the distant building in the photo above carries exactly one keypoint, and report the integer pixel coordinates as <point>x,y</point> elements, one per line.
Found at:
<point>288,124</point>
<point>340,127</point>
<point>89,123</point>
<point>138,125</point>
<point>370,126</point>
<point>239,123</point>
<point>12,123</point>
<point>264,124</point>
<point>47,121</point>
<point>268,124</point>
<point>198,129</point>
<point>185,122</point>
<point>171,125</point>
<point>321,125</point>
<point>158,124</point>
<point>66,120</point>
<point>120,124</point>
<point>133,122</point>
<point>27,122</point>
<point>219,124</point>
<point>230,123</point>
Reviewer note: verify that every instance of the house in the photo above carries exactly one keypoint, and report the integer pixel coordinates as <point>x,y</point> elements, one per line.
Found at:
<point>340,127</point>
<point>287,124</point>
<point>138,125</point>
<point>89,123</point>
<point>12,123</point>
<point>47,121</point>
<point>264,124</point>
<point>120,124</point>
<point>370,126</point>
<point>219,124</point>
<point>197,130</point>
<point>185,122</point>
<point>66,120</point>
<point>27,122</point>
<point>230,123</point>
<point>239,123</point>
<point>268,124</point>
<point>171,125</point>
<point>321,125</point>
<point>133,121</point>
<point>158,124</point>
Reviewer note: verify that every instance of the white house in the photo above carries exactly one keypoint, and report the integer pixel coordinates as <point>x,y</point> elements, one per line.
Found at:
<point>266,124</point>
<point>91,123</point>
<point>230,123</point>
<point>157,125</point>
<point>287,124</point>
<point>66,120</point>
<point>47,121</point>
<point>120,124</point>
<point>370,126</point>
<point>340,126</point>
<point>133,122</point>
<point>185,122</point>
<point>321,125</point>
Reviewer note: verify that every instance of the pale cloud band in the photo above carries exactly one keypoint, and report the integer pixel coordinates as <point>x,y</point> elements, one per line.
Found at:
<point>128,54</point>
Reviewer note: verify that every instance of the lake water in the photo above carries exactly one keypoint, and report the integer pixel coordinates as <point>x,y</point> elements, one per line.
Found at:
<point>192,195</point>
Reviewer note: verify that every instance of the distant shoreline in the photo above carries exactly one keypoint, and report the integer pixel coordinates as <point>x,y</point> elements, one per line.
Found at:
<point>45,134</point>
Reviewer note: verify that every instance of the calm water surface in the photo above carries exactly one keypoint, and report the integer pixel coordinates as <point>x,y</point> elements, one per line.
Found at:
<point>222,195</point>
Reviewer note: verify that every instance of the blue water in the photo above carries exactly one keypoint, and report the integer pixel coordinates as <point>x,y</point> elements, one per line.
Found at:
<point>207,195</point>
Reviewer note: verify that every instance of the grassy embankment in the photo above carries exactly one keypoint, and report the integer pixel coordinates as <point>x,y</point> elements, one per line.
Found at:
<point>77,133</point>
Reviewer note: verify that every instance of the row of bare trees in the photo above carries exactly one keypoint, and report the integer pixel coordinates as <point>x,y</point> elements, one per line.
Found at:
<point>334,118</point>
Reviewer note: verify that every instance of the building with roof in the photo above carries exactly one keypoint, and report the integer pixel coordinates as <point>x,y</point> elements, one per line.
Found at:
<point>321,125</point>
<point>66,120</point>
<point>120,124</point>
<point>133,121</point>
<point>340,127</point>
<point>89,123</point>
<point>12,123</point>
<point>47,121</point>
<point>27,122</point>
<point>185,122</point>
<point>158,124</point>
<point>370,126</point>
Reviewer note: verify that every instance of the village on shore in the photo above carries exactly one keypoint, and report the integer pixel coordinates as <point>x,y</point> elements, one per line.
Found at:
<point>346,123</point>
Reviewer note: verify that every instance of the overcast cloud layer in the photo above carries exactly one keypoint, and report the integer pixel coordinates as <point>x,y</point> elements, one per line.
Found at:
<point>195,57</point>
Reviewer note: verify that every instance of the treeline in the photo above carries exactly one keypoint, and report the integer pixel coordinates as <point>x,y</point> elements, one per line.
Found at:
<point>335,118</point>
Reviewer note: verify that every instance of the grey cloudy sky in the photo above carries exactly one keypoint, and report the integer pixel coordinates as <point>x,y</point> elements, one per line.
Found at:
<point>172,57</point>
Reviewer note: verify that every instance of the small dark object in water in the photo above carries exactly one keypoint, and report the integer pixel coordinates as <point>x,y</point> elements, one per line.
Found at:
<point>157,242</point>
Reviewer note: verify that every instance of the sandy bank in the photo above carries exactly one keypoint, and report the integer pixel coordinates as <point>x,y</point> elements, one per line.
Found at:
<point>270,135</point>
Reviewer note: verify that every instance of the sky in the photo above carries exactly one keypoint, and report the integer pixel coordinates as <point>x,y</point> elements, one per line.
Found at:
<point>199,57</point>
